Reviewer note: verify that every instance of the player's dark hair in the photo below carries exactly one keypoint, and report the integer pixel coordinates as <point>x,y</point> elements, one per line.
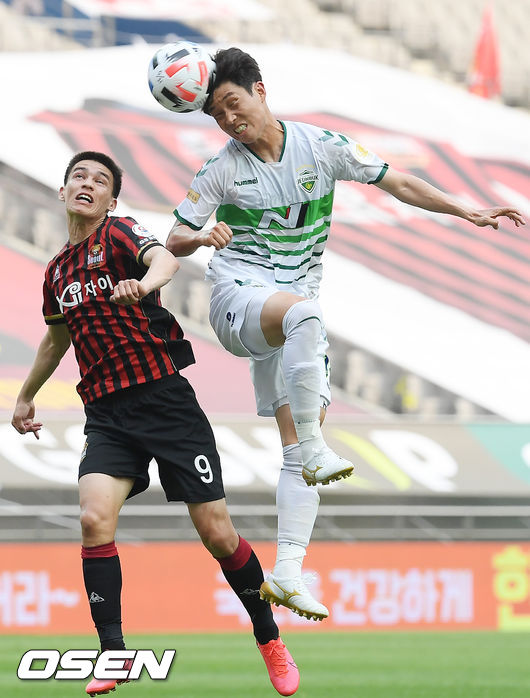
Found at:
<point>104,160</point>
<point>233,65</point>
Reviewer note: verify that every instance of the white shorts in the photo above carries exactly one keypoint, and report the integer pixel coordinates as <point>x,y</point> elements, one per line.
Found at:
<point>228,313</point>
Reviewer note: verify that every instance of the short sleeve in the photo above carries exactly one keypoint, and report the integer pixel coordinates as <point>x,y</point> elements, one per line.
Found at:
<point>350,160</point>
<point>203,198</point>
<point>50,306</point>
<point>133,237</point>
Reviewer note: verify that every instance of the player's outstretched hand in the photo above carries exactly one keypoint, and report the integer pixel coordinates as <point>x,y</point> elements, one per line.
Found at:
<point>219,236</point>
<point>490,216</point>
<point>128,292</point>
<point>23,418</point>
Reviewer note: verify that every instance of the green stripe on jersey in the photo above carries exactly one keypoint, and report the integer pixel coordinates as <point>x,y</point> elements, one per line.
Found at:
<point>381,174</point>
<point>237,217</point>
<point>185,222</point>
<point>272,237</point>
<point>298,251</point>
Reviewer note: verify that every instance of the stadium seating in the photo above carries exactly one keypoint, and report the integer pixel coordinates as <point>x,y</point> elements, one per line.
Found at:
<point>413,34</point>
<point>54,24</point>
<point>19,33</point>
<point>423,31</point>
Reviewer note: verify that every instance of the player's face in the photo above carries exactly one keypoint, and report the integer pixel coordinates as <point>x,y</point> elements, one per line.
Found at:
<point>239,114</point>
<point>88,190</point>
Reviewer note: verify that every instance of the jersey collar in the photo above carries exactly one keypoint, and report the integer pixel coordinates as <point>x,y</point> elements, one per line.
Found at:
<point>283,145</point>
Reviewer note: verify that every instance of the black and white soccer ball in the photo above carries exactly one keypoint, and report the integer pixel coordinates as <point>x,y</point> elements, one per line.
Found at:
<point>180,75</point>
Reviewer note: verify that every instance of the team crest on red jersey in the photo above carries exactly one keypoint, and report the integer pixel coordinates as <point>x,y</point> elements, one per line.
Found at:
<point>95,257</point>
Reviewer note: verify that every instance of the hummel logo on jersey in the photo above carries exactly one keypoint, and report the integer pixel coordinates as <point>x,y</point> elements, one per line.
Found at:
<point>95,598</point>
<point>244,182</point>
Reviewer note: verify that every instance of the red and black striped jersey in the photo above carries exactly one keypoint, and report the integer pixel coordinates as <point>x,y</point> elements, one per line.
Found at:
<point>116,346</point>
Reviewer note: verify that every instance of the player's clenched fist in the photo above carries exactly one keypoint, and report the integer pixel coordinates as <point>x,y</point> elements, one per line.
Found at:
<point>127,292</point>
<point>219,236</point>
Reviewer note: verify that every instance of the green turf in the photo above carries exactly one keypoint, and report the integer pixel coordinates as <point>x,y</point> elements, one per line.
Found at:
<point>332,665</point>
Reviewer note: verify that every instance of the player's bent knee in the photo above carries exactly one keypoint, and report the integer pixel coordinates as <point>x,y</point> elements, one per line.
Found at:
<point>302,312</point>
<point>220,540</point>
<point>96,524</point>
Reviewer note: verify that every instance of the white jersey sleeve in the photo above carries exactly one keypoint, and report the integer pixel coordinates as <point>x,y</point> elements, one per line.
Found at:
<point>204,195</point>
<point>349,160</point>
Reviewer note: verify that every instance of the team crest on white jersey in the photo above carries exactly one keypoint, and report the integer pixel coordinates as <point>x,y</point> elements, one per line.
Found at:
<point>306,177</point>
<point>95,256</point>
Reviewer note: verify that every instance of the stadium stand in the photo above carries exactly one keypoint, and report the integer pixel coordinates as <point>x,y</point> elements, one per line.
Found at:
<point>21,33</point>
<point>435,46</point>
<point>56,24</point>
<point>410,34</point>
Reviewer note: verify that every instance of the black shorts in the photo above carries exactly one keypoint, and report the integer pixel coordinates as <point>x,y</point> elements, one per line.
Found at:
<point>160,420</point>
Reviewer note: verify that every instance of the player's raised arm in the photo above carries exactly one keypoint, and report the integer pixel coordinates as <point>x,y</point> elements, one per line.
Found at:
<point>49,354</point>
<point>183,240</point>
<point>162,265</point>
<point>417,192</point>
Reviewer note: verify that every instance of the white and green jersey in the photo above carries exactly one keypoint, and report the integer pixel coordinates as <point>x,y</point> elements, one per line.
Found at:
<point>279,212</point>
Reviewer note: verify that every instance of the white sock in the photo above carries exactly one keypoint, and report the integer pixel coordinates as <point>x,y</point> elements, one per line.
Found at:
<point>297,506</point>
<point>302,326</point>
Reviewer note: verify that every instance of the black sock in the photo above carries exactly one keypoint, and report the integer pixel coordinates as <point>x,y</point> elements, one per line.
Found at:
<point>246,581</point>
<point>102,577</point>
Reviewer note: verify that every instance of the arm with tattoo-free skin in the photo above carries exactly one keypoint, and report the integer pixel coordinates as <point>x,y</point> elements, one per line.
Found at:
<point>162,265</point>
<point>49,354</point>
<point>417,192</point>
<point>183,240</point>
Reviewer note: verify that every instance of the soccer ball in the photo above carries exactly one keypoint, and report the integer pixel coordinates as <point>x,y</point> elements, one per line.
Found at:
<point>179,76</point>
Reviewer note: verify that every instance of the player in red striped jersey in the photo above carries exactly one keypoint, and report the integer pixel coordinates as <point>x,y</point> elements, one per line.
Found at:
<point>101,293</point>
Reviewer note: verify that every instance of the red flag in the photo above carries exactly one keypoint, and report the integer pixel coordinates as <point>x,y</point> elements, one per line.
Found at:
<point>485,77</point>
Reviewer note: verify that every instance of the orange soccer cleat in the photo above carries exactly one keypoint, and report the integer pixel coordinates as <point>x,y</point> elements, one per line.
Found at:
<point>282,669</point>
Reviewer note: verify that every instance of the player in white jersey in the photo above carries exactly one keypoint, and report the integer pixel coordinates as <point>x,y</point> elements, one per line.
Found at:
<point>271,188</point>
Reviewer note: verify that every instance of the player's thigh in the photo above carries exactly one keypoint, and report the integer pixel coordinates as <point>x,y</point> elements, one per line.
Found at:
<point>262,329</point>
<point>235,315</point>
<point>182,442</point>
<point>101,498</point>
<point>112,446</point>
<point>272,314</point>
<point>104,493</point>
